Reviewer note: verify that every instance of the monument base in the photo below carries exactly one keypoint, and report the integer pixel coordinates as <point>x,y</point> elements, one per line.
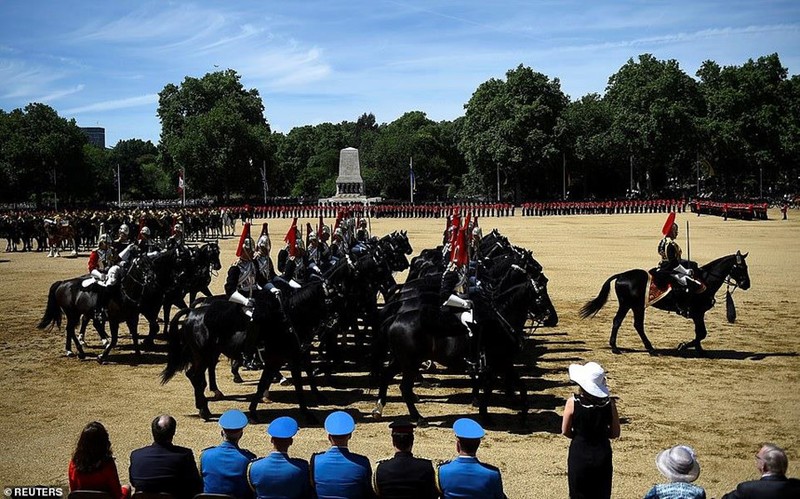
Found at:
<point>350,198</point>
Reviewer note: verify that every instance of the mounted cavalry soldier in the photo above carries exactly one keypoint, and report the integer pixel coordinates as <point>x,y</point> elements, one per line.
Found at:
<point>99,258</point>
<point>105,272</point>
<point>314,257</point>
<point>145,243</point>
<point>176,240</point>
<point>243,274</point>
<point>266,270</point>
<point>291,259</point>
<point>337,249</point>
<point>672,266</point>
<point>123,238</point>
<point>454,292</point>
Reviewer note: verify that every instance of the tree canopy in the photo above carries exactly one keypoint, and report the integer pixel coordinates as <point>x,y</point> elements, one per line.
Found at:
<point>214,129</point>
<point>655,128</point>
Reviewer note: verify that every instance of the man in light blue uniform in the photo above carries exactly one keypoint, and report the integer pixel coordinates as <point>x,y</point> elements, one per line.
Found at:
<point>278,476</point>
<point>465,476</point>
<point>339,473</point>
<point>224,467</point>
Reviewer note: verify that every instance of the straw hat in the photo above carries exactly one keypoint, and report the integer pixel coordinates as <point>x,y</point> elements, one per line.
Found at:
<point>591,377</point>
<point>678,464</point>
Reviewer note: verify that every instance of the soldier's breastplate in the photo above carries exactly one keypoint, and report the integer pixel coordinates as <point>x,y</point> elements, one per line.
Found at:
<point>102,259</point>
<point>263,266</point>
<point>247,277</point>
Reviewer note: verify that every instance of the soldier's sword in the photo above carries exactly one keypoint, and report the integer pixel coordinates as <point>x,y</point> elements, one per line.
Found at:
<point>688,246</point>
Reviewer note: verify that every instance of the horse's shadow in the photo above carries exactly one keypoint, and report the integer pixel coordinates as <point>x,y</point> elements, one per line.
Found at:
<point>131,359</point>
<point>720,354</point>
<point>536,422</point>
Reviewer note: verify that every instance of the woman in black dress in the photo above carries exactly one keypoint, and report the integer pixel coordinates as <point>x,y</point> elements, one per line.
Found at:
<point>590,420</point>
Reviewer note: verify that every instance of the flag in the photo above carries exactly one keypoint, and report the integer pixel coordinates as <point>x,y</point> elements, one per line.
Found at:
<point>411,176</point>
<point>180,182</point>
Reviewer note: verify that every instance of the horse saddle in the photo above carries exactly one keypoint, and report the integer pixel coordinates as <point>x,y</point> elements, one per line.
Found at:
<point>659,285</point>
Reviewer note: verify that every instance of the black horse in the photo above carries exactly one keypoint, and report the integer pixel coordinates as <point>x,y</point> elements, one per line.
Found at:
<point>632,288</point>
<point>194,278</point>
<point>218,327</point>
<point>140,290</point>
<point>418,330</point>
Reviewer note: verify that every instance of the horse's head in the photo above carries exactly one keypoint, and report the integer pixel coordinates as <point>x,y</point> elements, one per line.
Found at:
<point>739,271</point>
<point>210,252</point>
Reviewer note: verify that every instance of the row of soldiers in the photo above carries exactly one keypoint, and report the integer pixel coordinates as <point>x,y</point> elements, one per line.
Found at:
<point>603,207</point>
<point>403,210</point>
<point>725,209</point>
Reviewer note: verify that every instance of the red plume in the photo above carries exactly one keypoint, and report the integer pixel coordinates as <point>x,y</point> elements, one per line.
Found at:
<point>309,230</point>
<point>291,238</point>
<point>460,256</point>
<point>243,238</point>
<point>339,215</point>
<point>668,224</point>
<point>141,224</point>
<point>319,227</point>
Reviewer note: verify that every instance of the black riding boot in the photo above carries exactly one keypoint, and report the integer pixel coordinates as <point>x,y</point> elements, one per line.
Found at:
<point>682,302</point>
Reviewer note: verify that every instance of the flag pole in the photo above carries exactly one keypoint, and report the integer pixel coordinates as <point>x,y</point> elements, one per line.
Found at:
<point>183,190</point>
<point>411,179</point>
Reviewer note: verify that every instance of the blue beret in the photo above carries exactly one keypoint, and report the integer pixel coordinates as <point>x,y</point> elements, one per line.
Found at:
<point>467,428</point>
<point>283,427</point>
<point>339,423</point>
<point>233,419</point>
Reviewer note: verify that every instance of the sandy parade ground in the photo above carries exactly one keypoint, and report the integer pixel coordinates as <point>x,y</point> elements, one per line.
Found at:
<point>747,391</point>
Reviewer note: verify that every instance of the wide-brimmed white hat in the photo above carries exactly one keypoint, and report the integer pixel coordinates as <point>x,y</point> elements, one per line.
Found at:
<point>679,464</point>
<point>591,377</point>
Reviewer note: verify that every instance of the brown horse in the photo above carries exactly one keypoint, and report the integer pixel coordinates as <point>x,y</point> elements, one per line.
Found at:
<point>58,233</point>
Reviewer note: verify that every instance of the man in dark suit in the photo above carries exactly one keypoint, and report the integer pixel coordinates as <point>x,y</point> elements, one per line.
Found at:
<point>163,467</point>
<point>404,475</point>
<point>772,463</point>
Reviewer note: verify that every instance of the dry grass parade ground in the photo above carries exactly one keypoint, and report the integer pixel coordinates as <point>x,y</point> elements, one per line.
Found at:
<point>747,391</point>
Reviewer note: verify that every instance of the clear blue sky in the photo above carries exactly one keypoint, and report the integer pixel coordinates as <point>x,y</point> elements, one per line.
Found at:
<point>104,62</point>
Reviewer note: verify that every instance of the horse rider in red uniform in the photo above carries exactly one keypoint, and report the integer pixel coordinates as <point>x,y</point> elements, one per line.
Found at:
<point>101,261</point>
<point>681,277</point>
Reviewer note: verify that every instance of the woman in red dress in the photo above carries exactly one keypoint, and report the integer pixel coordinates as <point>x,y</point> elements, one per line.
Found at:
<point>92,466</point>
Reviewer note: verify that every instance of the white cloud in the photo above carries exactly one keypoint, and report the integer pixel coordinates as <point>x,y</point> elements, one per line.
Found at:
<point>60,93</point>
<point>20,79</point>
<point>111,105</point>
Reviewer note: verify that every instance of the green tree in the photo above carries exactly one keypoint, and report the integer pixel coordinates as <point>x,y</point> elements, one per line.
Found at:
<point>510,128</point>
<point>42,156</point>
<point>588,148</point>
<point>386,164</point>
<point>215,129</point>
<point>131,156</point>
<point>655,107</point>
<point>751,124</point>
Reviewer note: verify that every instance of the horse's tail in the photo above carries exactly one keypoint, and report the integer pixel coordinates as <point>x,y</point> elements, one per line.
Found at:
<point>52,313</point>
<point>594,306</point>
<point>176,349</point>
